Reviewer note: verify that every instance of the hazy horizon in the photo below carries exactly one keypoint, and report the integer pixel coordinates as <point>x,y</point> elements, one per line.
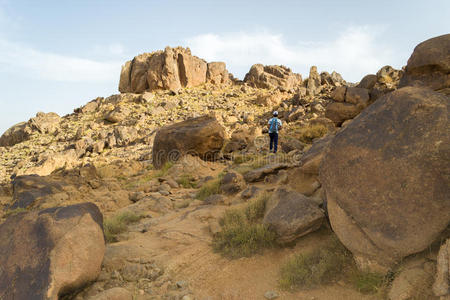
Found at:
<point>56,56</point>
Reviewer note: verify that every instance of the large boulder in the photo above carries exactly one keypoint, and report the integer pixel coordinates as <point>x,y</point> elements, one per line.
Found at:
<point>386,177</point>
<point>429,65</point>
<point>47,254</point>
<point>45,122</point>
<point>292,215</point>
<point>16,134</point>
<point>268,77</point>
<point>202,136</point>
<point>171,69</point>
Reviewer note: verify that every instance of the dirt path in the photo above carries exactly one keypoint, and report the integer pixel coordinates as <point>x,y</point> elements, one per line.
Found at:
<point>180,241</point>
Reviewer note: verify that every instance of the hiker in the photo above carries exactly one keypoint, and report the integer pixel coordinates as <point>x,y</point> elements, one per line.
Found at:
<point>274,126</point>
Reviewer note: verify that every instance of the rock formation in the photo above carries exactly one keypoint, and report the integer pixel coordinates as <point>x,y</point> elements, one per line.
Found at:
<point>269,77</point>
<point>171,69</point>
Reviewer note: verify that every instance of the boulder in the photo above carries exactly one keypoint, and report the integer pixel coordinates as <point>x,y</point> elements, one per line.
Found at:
<point>216,73</point>
<point>170,69</point>
<point>384,177</point>
<point>16,134</point>
<point>260,173</point>
<point>270,99</point>
<point>117,115</point>
<point>49,253</point>
<point>429,65</point>
<point>389,76</point>
<point>232,183</point>
<point>338,112</point>
<point>30,190</point>
<point>338,94</point>
<point>441,286</point>
<point>51,162</point>
<point>45,123</point>
<point>292,215</point>
<point>269,77</point>
<point>125,135</point>
<point>202,136</point>
<point>413,282</point>
<point>358,96</point>
<point>242,138</point>
<point>368,82</point>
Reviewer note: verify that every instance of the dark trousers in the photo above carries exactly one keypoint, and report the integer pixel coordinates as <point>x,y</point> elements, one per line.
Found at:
<point>273,141</point>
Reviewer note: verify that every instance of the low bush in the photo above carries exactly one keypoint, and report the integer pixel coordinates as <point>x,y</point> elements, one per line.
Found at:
<point>309,133</point>
<point>209,188</point>
<point>329,264</point>
<point>242,235</point>
<point>118,224</point>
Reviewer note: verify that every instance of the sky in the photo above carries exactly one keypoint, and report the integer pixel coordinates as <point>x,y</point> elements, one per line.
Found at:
<point>58,55</point>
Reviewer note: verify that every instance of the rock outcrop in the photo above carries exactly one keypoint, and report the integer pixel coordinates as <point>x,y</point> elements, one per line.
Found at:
<point>269,77</point>
<point>386,177</point>
<point>42,123</point>
<point>47,254</point>
<point>202,136</point>
<point>171,69</point>
<point>429,65</point>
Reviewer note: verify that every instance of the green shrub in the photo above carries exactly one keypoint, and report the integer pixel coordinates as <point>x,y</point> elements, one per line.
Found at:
<point>241,234</point>
<point>186,181</point>
<point>331,263</point>
<point>14,211</point>
<point>209,188</point>
<point>309,133</point>
<point>118,224</point>
<point>256,208</point>
<point>164,169</point>
<point>315,268</point>
<point>367,282</point>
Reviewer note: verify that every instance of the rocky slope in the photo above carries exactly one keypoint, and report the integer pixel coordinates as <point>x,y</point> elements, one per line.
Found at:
<point>166,159</point>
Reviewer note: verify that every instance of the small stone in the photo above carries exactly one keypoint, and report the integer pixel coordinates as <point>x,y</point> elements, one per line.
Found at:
<point>271,295</point>
<point>181,284</point>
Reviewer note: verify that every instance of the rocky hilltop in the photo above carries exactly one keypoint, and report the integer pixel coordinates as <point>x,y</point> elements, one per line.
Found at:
<point>167,190</point>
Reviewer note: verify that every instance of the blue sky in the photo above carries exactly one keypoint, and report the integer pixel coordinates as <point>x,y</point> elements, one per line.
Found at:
<point>58,55</point>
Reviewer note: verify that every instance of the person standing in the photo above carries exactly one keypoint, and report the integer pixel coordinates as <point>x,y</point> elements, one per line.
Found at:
<point>274,125</point>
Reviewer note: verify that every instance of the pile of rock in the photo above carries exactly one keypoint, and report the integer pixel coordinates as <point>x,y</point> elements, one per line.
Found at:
<point>171,69</point>
<point>348,102</point>
<point>270,77</point>
<point>46,123</point>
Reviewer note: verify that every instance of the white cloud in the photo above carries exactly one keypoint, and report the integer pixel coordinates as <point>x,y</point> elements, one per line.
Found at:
<point>50,66</point>
<point>353,53</point>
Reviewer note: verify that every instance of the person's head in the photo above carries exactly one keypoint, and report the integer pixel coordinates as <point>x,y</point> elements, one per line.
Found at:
<point>275,114</point>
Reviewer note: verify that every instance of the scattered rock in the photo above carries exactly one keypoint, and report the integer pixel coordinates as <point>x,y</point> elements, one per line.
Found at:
<point>232,183</point>
<point>116,293</point>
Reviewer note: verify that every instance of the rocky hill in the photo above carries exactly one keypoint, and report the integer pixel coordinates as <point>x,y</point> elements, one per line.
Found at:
<point>167,190</point>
